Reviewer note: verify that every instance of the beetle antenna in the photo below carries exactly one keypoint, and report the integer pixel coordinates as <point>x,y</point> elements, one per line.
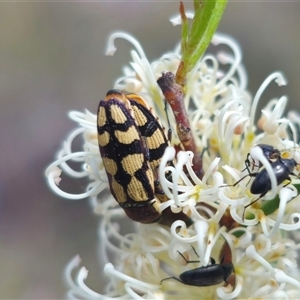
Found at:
<point>188,261</point>
<point>195,250</point>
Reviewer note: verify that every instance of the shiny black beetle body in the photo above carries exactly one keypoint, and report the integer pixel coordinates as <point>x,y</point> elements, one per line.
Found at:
<point>208,275</point>
<point>282,168</point>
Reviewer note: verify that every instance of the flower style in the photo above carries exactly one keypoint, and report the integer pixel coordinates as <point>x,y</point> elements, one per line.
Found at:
<point>255,240</point>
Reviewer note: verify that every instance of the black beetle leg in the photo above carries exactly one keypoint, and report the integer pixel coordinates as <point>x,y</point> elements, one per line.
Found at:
<point>263,194</point>
<point>172,277</point>
<point>247,164</point>
<point>250,174</point>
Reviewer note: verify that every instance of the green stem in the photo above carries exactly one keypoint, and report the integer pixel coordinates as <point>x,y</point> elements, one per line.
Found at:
<point>207,16</point>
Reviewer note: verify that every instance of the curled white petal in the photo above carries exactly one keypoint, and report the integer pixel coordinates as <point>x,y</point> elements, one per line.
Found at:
<point>111,271</point>
<point>126,36</point>
<point>279,79</point>
<point>221,291</point>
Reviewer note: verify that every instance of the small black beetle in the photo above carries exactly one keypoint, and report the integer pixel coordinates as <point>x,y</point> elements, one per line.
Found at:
<point>269,152</point>
<point>282,169</point>
<point>204,276</point>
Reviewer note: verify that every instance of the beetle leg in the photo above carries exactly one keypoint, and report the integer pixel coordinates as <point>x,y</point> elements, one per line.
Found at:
<point>250,174</point>
<point>172,277</point>
<point>261,195</point>
<point>247,164</point>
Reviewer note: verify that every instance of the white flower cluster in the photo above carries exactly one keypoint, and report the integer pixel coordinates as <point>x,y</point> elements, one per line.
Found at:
<point>256,241</point>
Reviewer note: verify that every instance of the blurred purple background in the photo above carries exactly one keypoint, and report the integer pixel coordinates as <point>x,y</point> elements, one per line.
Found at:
<point>52,61</point>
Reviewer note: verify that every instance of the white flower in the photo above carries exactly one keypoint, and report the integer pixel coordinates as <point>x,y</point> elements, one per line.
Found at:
<point>254,241</point>
<point>89,158</point>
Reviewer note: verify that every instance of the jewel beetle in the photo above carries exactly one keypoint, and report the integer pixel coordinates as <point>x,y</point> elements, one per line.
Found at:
<point>125,159</point>
<point>131,143</point>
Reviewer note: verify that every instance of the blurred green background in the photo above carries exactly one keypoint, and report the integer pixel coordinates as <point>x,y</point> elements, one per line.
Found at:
<point>52,61</point>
